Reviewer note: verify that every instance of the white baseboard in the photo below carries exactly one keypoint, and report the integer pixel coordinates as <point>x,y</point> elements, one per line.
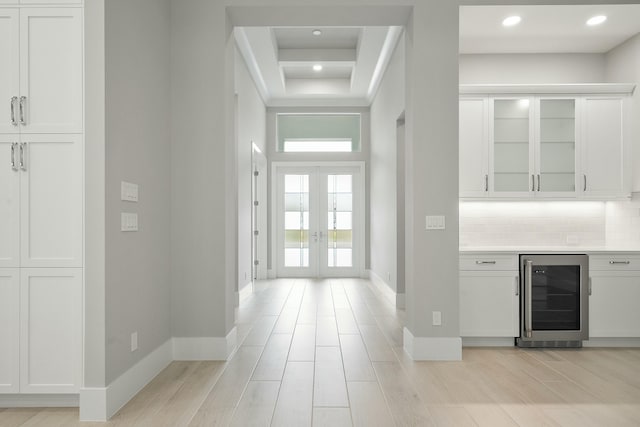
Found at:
<point>205,348</point>
<point>612,342</point>
<point>488,342</point>
<point>39,401</point>
<point>245,292</point>
<point>271,274</point>
<point>385,290</point>
<point>432,348</point>
<point>100,404</point>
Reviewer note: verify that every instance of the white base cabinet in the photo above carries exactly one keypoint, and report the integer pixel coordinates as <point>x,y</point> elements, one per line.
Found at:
<point>41,330</point>
<point>613,304</point>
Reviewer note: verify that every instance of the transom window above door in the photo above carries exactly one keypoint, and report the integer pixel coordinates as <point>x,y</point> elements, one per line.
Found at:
<point>318,133</point>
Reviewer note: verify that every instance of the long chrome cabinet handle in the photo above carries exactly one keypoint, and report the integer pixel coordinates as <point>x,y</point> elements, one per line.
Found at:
<point>517,280</point>
<point>528,278</point>
<point>590,287</point>
<point>23,164</point>
<point>538,182</point>
<point>533,183</point>
<point>23,100</point>
<point>485,262</point>
<point>619,262</point>
<point>13,156</point>
<point>14,122</point>
<point>585,182</point>
<point>486,183</point>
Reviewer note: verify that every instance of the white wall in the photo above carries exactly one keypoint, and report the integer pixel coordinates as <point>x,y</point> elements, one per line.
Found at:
<point>137,150</point>
<point>532,68</point>
<point>386,108</point>
<point>251,122</point>
<point>623,66</point>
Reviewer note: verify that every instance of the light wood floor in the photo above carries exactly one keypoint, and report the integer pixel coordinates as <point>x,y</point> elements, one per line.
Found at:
<point>329,353</point>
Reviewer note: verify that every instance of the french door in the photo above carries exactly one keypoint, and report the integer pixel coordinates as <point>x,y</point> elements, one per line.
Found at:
<point>319,220</point>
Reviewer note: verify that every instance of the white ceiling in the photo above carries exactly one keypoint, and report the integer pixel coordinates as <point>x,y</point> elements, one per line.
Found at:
<point>546,29</point>
<point>281,59</point>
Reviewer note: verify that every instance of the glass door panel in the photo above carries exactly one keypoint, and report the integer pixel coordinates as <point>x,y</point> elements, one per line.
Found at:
<point>339,221</point>
<point>511,142</point>
<point>296,221</point>
<point>557,145</point>
<point>555,295</point>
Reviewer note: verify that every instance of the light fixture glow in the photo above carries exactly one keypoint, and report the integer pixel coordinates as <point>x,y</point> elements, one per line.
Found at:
<point>596,20</point>
<point>316,32</point>
<point>317,67</point>
<point>511,21</point>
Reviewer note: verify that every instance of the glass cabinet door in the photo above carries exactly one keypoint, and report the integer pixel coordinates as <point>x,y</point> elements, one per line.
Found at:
<point>557,155</point>
<point>511,145</point>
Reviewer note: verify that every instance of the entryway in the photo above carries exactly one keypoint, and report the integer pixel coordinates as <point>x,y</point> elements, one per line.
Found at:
<point>319,219</point>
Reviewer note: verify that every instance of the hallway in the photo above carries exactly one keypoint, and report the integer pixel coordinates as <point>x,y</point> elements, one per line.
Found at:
<point>329,353</point>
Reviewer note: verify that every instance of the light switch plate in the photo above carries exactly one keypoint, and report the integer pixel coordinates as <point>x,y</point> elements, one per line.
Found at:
<point>435,222</point>
<point>128,221</point>
<point>128,191</point>
<point>134,341</point>
<point>437,318</point>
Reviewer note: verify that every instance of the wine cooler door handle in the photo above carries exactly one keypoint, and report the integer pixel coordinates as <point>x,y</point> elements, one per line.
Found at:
<point>528,278</point>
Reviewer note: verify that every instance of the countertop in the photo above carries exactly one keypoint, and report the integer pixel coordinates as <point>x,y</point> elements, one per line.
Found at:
<point>550,249</point>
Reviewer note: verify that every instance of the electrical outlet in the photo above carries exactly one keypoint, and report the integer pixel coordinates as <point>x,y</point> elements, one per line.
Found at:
<point>134,341</point>
<point>437,318</point>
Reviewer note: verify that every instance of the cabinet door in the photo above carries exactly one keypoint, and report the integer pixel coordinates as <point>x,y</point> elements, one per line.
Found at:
<point>9,330</point>
<point>603,148</point>
<point>613,304</point>
<point>511,147</point>
<point>489,304</point>
<point>473,147</point>
<point>50,330</point>
<point>9,201</point>
<point>51,201</point>
<point>51,69</point>
<point>9,71</point>
<point>556,144</point>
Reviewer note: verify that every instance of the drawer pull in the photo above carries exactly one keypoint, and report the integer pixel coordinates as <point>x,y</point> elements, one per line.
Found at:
<point>485,262</point>
<point>619,262</point>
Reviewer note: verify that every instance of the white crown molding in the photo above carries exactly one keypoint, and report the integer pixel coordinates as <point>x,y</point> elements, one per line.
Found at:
<point>573,89</point>
<point>242,42</point>
<point>386,53</point>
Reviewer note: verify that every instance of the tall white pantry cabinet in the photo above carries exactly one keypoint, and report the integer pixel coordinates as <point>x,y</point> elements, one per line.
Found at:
<point>41,196</point>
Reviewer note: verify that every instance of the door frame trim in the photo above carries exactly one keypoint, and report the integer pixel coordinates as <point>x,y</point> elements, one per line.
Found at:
<point>359,242</point>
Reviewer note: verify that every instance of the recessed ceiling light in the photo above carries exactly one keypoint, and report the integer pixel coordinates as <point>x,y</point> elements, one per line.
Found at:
<point>316,32</point>
<point>511,21</point>
<point>596,20</point>
<point>317,67</point>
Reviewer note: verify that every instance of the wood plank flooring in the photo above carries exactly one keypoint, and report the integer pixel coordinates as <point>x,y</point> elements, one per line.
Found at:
<point>329,353</point>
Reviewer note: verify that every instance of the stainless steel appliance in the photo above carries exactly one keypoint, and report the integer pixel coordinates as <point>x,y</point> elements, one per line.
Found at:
<point>554,300</point>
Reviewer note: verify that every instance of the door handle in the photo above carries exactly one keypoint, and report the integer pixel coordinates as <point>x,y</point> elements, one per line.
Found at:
<point>533,183</point>
<point>13,156</point>
<point>590,288</point>
<point>585,182</point>
<point>528,329</point>
<point>23,164</point>
<point>538,182</point>
<point>517,286</point>
<point>315,236</point>
<point>23,100</point>
<point>619,262</point>
<point>485,262</point>
<point>486,183</point>
<point>321,236</point>
<point>14,122</point>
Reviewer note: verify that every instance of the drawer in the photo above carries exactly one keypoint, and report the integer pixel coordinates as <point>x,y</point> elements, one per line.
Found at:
<point>479,262</point>
<point>615,262</point>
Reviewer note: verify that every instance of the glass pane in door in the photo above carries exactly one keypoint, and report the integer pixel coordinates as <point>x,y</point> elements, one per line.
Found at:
<point>511,144</point>
<point>296,220</point>
<point>555,296</point>
<point>557,145</point>
<point>340,220</point>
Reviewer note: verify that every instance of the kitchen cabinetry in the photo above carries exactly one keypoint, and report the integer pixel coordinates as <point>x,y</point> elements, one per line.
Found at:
<point>41,81</point>
<point>544,145</point>
<point>9,330</point>
<point>615,292</point>
<point>489,301</point>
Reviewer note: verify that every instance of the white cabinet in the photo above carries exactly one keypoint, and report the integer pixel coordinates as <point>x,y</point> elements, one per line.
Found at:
<point>605,173</point>
<point>615,292</point>
<point>473,150</point>
<point>9,330</point>
<point>41,201</point>
<point>50,330</point>
<point>42,82</point>
<point>489,300</point>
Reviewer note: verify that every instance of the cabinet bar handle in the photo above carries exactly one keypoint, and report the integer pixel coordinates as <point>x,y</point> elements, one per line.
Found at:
<point>13,111</point>
<point>590,289</point>
<point>585,182</point>
<point>23,165</point>
<point>619,262</point>
<point>13,156</point>
<point>528,278</point>
<point>538,182</point>
<point>486,183</point>
<point>517,286</point>
<point>533,183</point>
<point>23,99</point>
<point>485,262</point>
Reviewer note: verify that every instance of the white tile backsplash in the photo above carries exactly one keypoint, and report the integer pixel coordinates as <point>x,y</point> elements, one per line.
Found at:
<point>549,223</point>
